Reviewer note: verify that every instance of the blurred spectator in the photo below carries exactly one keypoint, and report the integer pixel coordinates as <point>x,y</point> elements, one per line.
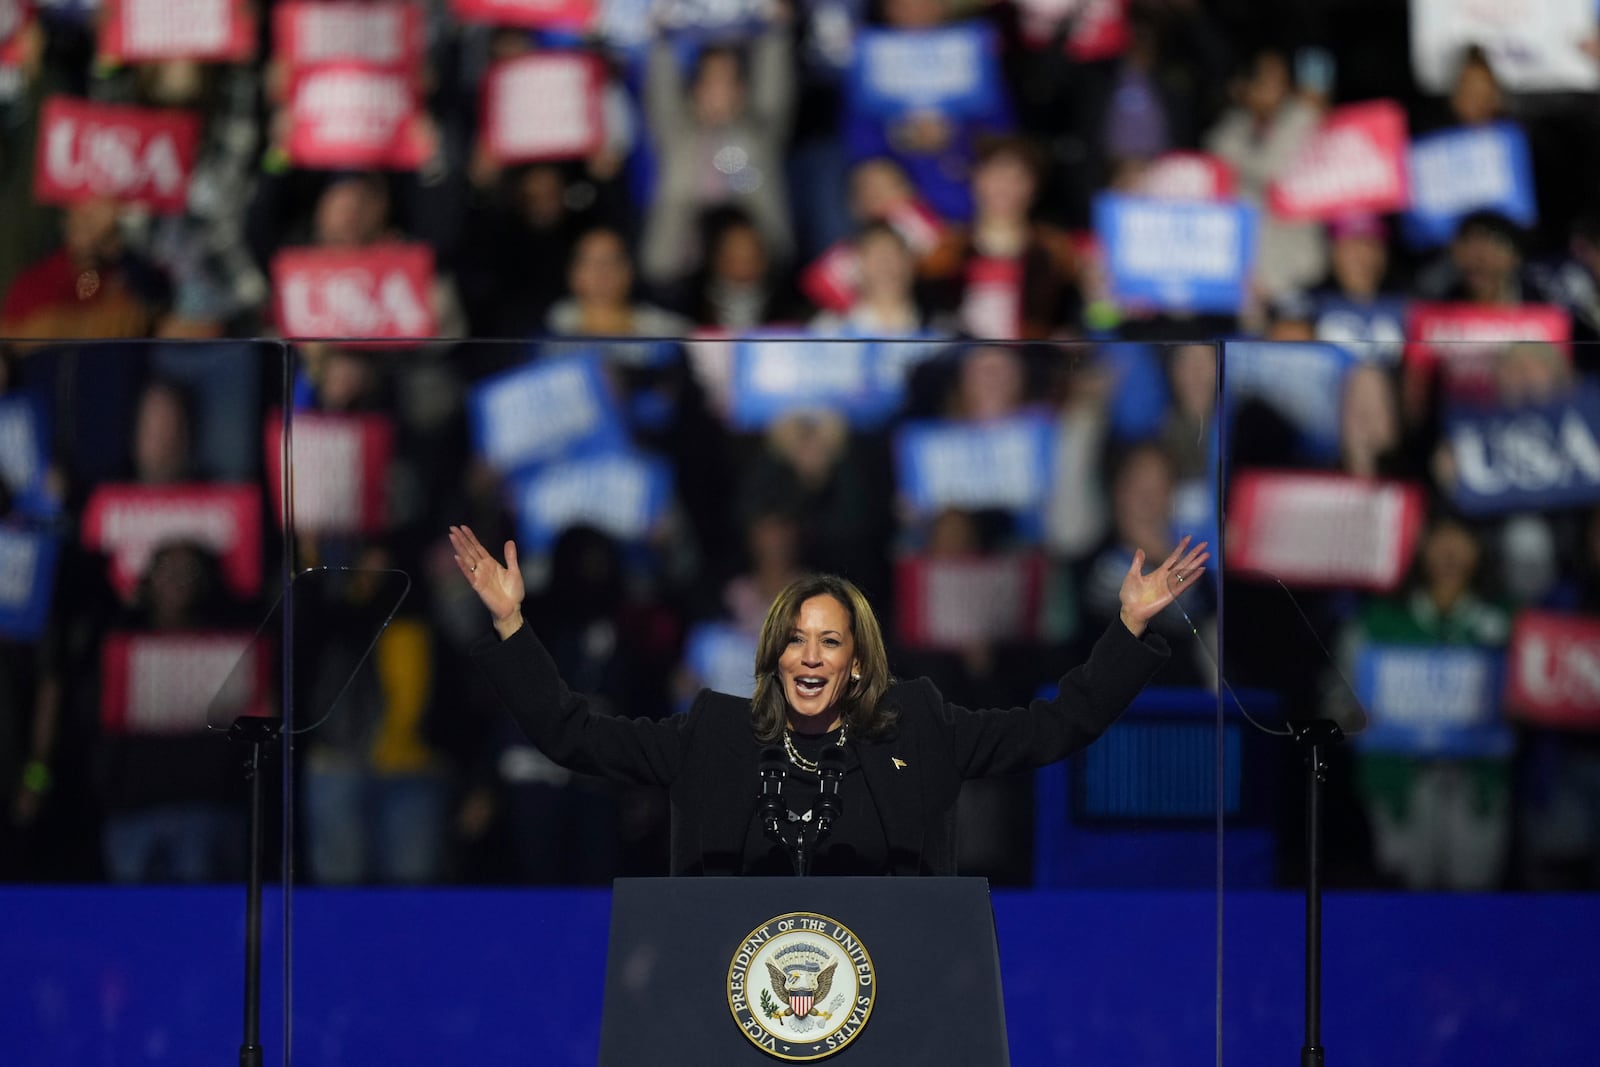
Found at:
<point>718,140</point>
<point>377,797</point>
<point>1141,493</point>
<point>93,286</point>
<point>1356,305</point>
<point>162,447</point>
<point>1437,823</point>
<point>1007,276</point>
<point>991,383</point>
<point>738,287</point>
<point>1370,441</point>
<point>358,209</point>
<point>776,558</point>
<point>887,303</point>
<point>1259,137</point>
<point>600,279</point>
<point>1484,264</point>
<point>215,281</point>
<point>172,795</point>
<point>523,229</point>
<point>1476,98</point>
<point>809,465</point>
<point>1573,283</point>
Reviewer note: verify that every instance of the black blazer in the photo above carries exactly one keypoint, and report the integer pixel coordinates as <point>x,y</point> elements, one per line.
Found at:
<point>708,757</point>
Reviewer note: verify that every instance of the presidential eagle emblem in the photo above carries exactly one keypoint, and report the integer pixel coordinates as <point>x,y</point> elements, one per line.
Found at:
<point>801,986</point>
<point>800,977</point>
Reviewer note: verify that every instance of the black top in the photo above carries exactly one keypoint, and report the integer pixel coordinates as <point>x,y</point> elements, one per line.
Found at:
<point>855,844</point>
<point>709,757</point>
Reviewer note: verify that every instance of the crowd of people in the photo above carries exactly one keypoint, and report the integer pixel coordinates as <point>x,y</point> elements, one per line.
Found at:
<point>746,192</point>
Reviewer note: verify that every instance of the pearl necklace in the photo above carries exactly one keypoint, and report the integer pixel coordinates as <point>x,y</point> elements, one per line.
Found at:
<point>809,766</point>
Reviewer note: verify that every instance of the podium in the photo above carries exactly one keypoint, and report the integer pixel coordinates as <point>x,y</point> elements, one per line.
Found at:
<point>879,971</point>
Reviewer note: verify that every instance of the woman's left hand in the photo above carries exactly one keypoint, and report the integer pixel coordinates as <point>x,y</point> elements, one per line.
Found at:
<point>1144,595</point>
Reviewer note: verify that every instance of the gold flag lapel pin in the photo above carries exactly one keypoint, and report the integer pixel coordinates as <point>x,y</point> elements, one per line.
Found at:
<point>899,764</point>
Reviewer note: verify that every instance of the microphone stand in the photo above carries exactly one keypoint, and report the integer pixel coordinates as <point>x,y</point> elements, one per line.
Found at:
<point>257,730</point>
<point>1314,736</point>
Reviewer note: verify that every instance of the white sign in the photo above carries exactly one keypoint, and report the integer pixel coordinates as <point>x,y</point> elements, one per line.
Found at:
<point>1532,45</point>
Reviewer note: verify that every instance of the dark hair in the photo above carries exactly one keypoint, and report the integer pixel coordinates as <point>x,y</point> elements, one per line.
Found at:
<point>1492,224</point>
<point>1011,146</point>
<point>878,228</point>
<point>1473,55</point>
<point>864,711</point>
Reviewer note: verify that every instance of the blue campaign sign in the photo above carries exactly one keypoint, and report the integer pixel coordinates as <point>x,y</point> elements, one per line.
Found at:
<point>712,20</point>
<point>27,580</point>
<point>722,656</point>
<point>773,377</point>
<point>1302,381</point>
<point>953,70</point>
<point>543,411</point>
<point>1526,458</point>
<point>25,453</point>
<point>1007,465</point>
<point>1374,331</point>
<point>1457,171</point>
<point>1430,700</point>
<point>1176,255</point>
<point>625,494</point>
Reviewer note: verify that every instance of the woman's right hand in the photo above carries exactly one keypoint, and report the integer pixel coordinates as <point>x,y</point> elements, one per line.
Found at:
<point>499,587</point>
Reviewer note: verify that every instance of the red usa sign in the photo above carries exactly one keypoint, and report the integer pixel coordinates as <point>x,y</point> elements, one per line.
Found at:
<point>950,603</point>
<point>385,34</point>
<point>130,153</point>
<point>1553,674</point>
<point>339,471</point>
<point>543,106</point>
<point>1323,529</point>
<point>1463,339</point>
<point>1355,161</point>
<point>136,31</point>
<point>354,115</point>
<point>129,522</point>
<point>1187,176</point>
<point>382,291</point>
<point>534,14</point>
<point>166,683</point>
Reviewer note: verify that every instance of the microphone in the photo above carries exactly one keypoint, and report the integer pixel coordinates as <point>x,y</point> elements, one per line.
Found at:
<point>830,769</point>
<point>773,772</point>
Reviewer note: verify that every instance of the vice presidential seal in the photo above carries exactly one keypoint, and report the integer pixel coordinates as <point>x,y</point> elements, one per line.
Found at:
<point>801,986</point>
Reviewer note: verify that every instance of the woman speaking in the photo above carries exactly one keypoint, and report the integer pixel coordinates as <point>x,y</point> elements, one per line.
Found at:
<point>886,757</point>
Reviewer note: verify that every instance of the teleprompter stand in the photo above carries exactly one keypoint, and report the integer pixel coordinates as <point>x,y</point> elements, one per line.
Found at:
<point>1314,736</point>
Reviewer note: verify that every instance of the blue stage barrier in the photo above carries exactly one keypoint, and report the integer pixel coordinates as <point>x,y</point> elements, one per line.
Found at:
<point>109,976</point>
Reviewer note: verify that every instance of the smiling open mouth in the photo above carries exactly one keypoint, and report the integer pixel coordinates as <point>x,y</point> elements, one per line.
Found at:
<point>810,685</point>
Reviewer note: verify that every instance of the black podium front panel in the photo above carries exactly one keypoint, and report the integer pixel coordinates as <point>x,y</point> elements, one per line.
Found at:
<point>859,971</point>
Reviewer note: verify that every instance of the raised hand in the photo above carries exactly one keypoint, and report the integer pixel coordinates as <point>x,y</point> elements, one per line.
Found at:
<point>1144,595</point>
<point>500,587</point>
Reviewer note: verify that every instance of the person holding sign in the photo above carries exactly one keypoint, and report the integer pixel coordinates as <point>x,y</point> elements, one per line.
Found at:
<point>824,695</point>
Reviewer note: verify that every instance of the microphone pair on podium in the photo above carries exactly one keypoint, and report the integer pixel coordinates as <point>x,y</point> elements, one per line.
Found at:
<point>775,771</point>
